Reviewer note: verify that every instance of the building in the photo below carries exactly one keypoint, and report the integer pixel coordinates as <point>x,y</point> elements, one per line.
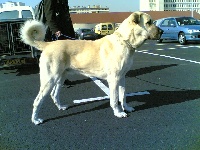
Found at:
<point>152,5</point>
<point>118,17</point>
<point>89,20</point>
<point>170,5</point>
<point>11,4</point>
<point>72,10</point>
<point>88,9</point>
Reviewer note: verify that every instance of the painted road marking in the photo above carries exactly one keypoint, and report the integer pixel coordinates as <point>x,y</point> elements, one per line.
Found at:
<point>91,99</point>
<point>101,85</point>
<point>178,46</point>
<point>106,91</point>
<point>107,97</point>
<point>166,56</point>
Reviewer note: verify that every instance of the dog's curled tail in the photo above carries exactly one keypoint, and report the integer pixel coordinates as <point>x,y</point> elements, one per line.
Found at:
<point>33,33</point>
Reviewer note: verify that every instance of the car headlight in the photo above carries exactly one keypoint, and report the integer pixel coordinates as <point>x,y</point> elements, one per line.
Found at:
<point>193,30</point>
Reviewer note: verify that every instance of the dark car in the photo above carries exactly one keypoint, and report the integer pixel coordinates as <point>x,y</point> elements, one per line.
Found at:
<point>181,29</point>
<point>85,34</point>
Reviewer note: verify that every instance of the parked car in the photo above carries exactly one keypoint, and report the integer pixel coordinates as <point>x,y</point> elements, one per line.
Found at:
<point>103,29</point>
<point>181,29</point>
<point>85,34</point>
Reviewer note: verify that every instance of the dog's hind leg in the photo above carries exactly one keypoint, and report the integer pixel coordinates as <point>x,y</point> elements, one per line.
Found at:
<point>114,85</point>
<point>44,90</point>
<point>122,96</point>
<point>55,93</point>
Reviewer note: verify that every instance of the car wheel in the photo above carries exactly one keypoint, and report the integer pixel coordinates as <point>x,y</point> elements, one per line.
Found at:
<point>159,41</point>
<point>181,39</point>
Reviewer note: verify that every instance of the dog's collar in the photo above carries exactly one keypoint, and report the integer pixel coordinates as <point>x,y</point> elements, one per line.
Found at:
<point>126,41</point>
<point>129,44</point>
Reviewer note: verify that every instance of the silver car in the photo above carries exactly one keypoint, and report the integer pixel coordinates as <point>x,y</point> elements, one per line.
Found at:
<point>181,29</point>
<point>85,34</point>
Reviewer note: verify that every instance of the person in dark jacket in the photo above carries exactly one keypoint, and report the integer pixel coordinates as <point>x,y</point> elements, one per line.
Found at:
<point>58,20</point>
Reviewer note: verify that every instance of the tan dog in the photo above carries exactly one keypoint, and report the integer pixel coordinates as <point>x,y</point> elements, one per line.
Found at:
<point>108,58</point>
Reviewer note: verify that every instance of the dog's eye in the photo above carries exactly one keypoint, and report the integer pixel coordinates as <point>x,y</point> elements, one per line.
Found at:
<point>149,22</point>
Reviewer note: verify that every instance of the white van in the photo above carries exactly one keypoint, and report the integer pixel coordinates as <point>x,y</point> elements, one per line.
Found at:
<point>17,12</point>
<point>11,18</point>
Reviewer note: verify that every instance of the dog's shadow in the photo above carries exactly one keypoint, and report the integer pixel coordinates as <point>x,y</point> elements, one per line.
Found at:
<point>152,100</point>
<point>161,98</point>
<point>145,70</point>
<point>21,70</point>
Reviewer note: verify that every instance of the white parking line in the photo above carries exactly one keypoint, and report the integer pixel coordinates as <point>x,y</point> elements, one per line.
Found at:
<point>101,85</point>
<point>91,99</point>
<point>106,91</point>
<point>107,97</point>
<point>166,56</point>
<point>172,48</point>
<point>178,46</point>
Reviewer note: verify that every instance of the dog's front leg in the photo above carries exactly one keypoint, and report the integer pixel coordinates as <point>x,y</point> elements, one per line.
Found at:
<point>122,96</point>
<point>114,85</point>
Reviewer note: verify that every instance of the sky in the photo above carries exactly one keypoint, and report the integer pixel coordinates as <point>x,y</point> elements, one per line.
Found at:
<point>114,5</point>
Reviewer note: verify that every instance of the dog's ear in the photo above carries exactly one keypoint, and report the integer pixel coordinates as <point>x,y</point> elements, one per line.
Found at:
<point>136,18</point>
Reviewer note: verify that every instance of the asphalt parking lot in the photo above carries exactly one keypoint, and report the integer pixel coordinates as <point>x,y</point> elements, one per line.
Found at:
<point>163,86</point>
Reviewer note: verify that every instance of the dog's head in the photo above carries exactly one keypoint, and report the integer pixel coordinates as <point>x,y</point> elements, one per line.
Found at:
<point>139,27</point>
<point>145,21</point>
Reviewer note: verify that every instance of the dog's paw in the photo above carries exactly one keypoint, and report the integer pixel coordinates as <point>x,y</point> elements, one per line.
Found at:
<point>37,121</point>
<point>120,114</point>
<point>129,109</point>
<point>63,107</point>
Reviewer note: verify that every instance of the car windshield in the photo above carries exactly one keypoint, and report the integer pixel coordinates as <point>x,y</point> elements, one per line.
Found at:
<point>86,30</point>
<point>187,21</point>
<point>9,14</point>
<point>15,14</point>
<point>27,14</point>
